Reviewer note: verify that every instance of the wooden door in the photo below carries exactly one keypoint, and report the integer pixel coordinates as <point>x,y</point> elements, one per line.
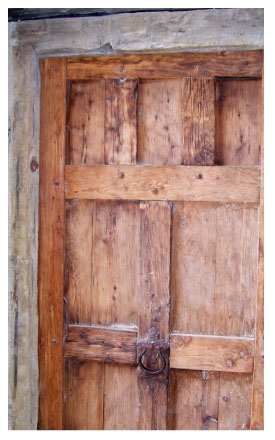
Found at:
<point>150,293</point>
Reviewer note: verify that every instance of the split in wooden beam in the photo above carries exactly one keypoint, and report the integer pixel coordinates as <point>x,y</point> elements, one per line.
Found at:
<point>186,183</point>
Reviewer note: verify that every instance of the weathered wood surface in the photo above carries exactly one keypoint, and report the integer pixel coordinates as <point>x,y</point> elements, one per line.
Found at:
<point>199,30</point>
<point>198,121</point>
<point>160,106</point>
<point>257,418</point>
<point>211,353</point>
<point>154,308</point>
<point>238,124</point>
<point>111,345</point>
<point>167,65</point>
<point>51,242</point>
<point>218,184</point>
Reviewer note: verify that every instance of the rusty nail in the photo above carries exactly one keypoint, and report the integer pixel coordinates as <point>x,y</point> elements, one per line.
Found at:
<point>154,191</point>
<point>34,165</point>
<point>199,176</point>
<point>121,175</point>
<point>57,182</point>
<point>225,398</point>
<point>54,341</point>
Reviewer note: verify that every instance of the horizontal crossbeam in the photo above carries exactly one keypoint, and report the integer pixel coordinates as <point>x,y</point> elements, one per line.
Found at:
<point>179,183</point>
<point>194,352</point>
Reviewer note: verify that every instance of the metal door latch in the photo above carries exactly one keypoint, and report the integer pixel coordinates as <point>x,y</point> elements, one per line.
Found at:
<point>153,354</point>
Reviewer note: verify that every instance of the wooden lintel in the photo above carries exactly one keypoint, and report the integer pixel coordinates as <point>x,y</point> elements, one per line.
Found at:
<point>188,183</point>
<point>173,65</point>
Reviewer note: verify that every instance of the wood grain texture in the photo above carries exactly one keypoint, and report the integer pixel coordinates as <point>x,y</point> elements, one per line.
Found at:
<point>238,115</point>
<point>160,133</point>
<point>235,401</point>
<point>154,307</point>
<point>120,122</point>
<point>257,418</point>
<point>110,345</point>
<point>245,64</point>
<point>198,121</point>
<point>85,122</point>
<point>120,400</point>
<point>214,269</point>
<point>193,400</point>
<point>51,241</point>
<point>210,353</point>
<point>220,184</point>
<point>83,380</point>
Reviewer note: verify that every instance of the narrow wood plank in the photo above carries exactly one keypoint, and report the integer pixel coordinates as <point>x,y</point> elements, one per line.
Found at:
<point>83,395</point>
<point>80,219</point>
<point>193,400</point>
<point>110,345</point>
<point>120,409</point>
<point>257,417</point>
<point>219,184</point>
<point>238,114</point>
<point>160,132</point>
<point>198,121</point>
<point>212,353</point>
<point>240,64</point>
<point>85,122</point>
<point>51,241</point>
<point>120,122</point>
<point>154,307</point>
<point>235,401</point>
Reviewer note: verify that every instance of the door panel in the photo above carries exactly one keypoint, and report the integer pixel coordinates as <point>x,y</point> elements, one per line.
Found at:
<point>161,243</point>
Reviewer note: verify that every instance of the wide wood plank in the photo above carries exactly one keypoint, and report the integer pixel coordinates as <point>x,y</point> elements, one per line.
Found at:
<point>238,122</point>
<point>220,184</point>
<point>244,64</point>
<point>211,353</point>
<point>51,241</point>
<point>102,344</point>
<point>154,308</point>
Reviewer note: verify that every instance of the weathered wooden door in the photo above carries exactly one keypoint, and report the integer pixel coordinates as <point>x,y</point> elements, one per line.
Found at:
<point>149,242</point>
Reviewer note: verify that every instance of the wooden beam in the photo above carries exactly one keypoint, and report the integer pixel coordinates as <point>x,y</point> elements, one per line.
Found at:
<point>173,65</point>
<point>189,183</point>
<point>51,241</point>
<point>257,417</point>
<point>212,353</point>
<point>101,344</point>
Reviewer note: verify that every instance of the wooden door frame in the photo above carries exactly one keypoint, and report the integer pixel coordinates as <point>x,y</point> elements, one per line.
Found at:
<point>30,41</point>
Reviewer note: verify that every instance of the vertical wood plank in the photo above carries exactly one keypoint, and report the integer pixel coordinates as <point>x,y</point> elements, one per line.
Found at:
<point>257,419</point>
<point>85,121</point>
<point>120,122</point>
<point>199,121</point>
<point>83,395</point>
<point>51,241</point>
<point>85,146</point>
<point>154,306</point>
<point>120,408</point>
<point>160,137</point>
<point>193,268</point>
<point>115,257</point>
<point>194,400</point>
<point>238,115</point>
<point>234,401</point>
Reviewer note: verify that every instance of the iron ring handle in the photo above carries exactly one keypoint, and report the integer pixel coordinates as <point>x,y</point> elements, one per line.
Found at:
<point>148,370</point>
